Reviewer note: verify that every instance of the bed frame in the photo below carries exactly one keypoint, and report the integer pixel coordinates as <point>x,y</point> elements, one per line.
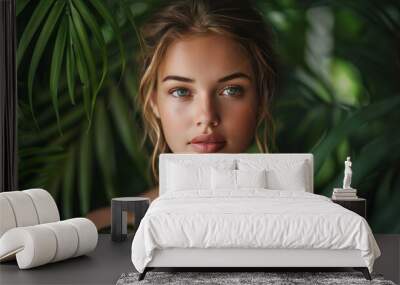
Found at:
<point>246,258</point>
<point>243,259</point>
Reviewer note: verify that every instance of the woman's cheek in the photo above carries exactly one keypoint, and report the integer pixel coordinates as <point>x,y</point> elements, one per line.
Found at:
<point>171,121</point>
<point>243,114</point>
<point>175,122</point>
<point>240,125</point>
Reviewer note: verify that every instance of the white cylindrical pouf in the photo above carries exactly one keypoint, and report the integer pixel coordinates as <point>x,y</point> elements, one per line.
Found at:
<point>7,218</point>
<point>33,245</point>
<point>87,234</point>
<point>67,239</point>
<point>45,243</point>
<point>23,208</point>
<point>45,205</point>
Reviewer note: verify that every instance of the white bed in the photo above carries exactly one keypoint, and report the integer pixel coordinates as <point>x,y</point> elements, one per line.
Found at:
<point>201,220</point>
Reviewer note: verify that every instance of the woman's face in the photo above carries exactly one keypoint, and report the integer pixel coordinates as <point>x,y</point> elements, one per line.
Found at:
<point>205,86</point>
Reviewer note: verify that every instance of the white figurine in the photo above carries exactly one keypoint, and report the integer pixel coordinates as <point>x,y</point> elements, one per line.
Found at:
<point>347,174</point>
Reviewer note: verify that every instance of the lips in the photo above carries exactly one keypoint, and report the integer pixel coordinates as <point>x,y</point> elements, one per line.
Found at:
<point>208,142</point>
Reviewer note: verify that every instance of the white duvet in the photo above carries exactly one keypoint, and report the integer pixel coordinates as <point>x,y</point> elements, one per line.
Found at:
<point>253,218</point>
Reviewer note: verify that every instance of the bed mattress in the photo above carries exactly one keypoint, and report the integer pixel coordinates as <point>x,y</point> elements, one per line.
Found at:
<point>250,218</point>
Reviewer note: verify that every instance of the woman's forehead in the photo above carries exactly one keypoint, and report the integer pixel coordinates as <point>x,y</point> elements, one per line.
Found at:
<point>208,56</point>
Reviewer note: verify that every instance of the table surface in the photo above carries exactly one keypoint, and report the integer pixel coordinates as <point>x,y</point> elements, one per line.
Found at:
<point>349,199</point>
<point>110,259</point>
<point>130,199</point>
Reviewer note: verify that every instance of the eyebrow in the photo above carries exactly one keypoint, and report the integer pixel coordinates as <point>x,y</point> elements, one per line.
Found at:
<point>223,79</point>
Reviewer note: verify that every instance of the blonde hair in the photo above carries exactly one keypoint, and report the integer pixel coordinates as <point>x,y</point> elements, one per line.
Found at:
<point>238,20</point>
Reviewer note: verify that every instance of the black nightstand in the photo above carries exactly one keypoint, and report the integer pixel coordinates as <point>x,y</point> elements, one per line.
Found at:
<point>119,216</point>
<point>357,205</point>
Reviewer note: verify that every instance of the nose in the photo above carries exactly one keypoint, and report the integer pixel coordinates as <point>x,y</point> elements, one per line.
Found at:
<point>207,112</point>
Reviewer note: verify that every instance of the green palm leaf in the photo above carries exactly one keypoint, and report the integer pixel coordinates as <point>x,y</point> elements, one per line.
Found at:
<point>68,185</point>
<point>128,132</point>
<point>33,24</point>
<point>21,4</point>
<point>85,173</point>
<point>34,160</point>
<point>103,11</point>
<point>127,10</point>
<point>41,44</point>
<point>105,148</point>
<point>350,125</point>
<point>90,65</point>
<point>70,68</point>
<point>57,59</point>
<point>74,116</point>
<point>95,29</point>
<point>81,67</point>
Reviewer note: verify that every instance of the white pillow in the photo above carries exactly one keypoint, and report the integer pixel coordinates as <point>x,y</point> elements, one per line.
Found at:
<point>223,179</point>
<point>182,178</point>
<point>186,175</point>
<point>282,174</point>
<point>251,178</point>
<point>278,180</point>
<point>235,179</point>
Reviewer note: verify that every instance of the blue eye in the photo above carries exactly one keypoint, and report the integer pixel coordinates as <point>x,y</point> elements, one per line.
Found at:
<point>179,92</point>
<point>232,90</point>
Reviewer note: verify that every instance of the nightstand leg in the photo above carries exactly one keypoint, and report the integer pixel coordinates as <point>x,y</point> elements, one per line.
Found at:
<point>364,271</point>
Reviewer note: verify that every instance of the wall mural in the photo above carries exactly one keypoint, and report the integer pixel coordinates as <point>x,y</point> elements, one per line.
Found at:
<point>80,133</point>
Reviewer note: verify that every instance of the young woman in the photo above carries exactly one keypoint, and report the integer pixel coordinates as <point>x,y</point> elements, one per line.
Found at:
<point>207,78</point>
<point>206,83</point>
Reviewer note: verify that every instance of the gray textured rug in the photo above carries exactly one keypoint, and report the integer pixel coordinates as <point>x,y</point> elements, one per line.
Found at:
<point>174,278</point>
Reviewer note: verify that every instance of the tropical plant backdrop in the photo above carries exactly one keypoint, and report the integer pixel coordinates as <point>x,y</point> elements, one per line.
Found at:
<point>80,133</point>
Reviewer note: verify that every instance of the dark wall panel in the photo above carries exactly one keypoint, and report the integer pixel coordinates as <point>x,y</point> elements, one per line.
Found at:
<point>8,97</point>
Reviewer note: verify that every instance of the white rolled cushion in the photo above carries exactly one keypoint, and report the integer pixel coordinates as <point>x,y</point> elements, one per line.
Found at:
<point>223,179</point>
<point>40,244</point>
<point>191,174</point>
<point>23,208</point>
<point>45,205</point>
<point>33,245</point>
<point>66,237</point>
<point>251,178</point>
<point>7,218</point>
<point>87,235</point>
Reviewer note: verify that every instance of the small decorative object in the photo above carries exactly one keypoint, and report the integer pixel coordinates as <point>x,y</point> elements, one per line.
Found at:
<point>347,174</point>
<point>347,192</point>
<point>119,216</point>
